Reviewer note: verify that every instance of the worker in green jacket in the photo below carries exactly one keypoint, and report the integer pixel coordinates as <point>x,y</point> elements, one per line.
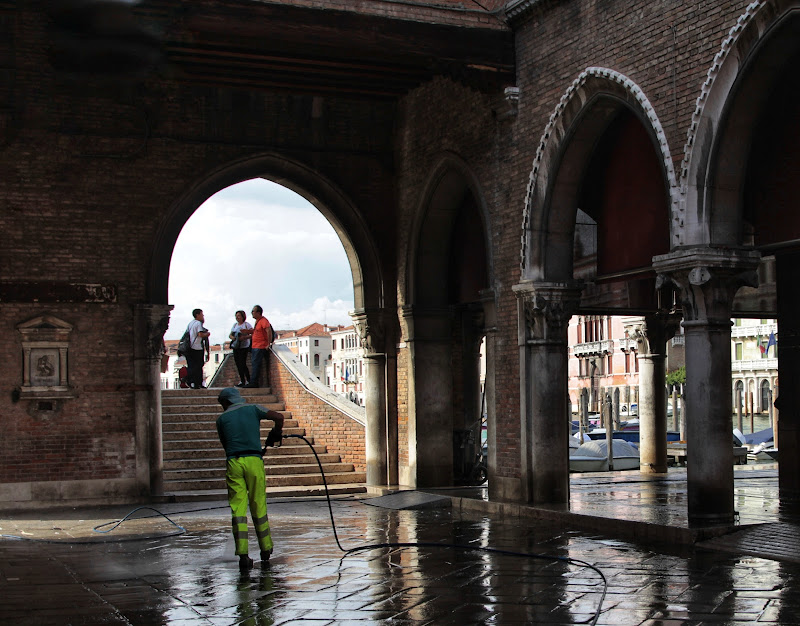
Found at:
<point>239,429</point>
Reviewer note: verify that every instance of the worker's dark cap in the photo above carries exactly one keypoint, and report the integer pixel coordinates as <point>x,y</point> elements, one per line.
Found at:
<point>231,395</point>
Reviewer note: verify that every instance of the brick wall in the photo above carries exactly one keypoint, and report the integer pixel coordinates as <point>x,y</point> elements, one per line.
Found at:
<point>90,435</point>
<point>93,170</point>
<point>329,426</point>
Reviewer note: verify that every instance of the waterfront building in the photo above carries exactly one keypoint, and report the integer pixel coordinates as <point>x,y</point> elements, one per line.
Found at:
<point>345,373</point>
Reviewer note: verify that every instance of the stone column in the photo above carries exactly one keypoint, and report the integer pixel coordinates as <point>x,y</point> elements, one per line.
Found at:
<point>544,310</point>
<point>584,414</point>
<point>651,334</point>
<point>150,322</point>
<point>787,400</point>
<point>381,429</point>
<point>707,280</point>
<point>739,410</point>
<point>675,413</point>
<point>771,410</point>
<point>489,384</point>
<point>428,335</point>
<point>468,422</point>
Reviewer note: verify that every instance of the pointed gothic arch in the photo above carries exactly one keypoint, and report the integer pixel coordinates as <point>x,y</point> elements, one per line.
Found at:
<point>451,181</point>
<point>584,113</point>
<point>449,306</point>
<point>343,215</point>
<point>741,84</point>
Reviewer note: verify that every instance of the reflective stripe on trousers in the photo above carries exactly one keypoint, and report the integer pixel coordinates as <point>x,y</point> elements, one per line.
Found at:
<point>247,485</point>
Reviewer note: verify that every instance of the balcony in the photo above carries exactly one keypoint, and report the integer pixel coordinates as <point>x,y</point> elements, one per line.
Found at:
<point>753,331</point>
<point>626,343</point>
<point>755,365</point>
<point>593,347</point>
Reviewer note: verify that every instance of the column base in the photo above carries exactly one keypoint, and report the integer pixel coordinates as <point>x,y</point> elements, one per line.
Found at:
<point>712,519</point>
<point>649,468</point>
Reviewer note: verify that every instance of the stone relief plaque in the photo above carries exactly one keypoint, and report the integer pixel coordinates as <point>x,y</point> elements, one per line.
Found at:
<point>45,355</point>
<point>44,367</point>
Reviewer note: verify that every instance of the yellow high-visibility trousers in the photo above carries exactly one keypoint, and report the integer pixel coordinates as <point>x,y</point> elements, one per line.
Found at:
<point>247,484</point>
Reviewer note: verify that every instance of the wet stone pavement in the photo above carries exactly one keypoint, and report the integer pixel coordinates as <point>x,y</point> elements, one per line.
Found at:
<point>137,574</point>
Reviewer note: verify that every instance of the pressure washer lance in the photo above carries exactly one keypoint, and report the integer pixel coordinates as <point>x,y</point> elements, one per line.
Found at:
<point>275,435</point>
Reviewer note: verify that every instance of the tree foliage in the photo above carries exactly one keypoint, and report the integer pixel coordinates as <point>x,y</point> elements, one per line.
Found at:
<point>677,377</point>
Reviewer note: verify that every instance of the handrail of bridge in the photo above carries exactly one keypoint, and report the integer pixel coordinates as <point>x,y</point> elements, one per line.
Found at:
<point>311,384</point>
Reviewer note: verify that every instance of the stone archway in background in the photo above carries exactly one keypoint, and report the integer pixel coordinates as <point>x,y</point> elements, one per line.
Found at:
<point>742,191</point>
<point>368,291</point>
<point>583,253</point>
<point>449,310</point>
<point>368,283</point>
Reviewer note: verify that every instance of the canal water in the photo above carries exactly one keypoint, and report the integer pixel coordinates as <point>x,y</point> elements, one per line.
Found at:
<point>759,422</point>
<point>755,424</point>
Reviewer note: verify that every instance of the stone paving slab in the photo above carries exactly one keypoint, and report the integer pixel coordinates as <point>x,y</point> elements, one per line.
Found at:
<point>643,507</point>
<point>779,541</point>
<point>143,573</point>
<point>410,500</point>
<point>193,578</point>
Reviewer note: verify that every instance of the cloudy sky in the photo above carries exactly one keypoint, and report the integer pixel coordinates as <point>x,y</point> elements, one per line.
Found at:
<point>258,243</point>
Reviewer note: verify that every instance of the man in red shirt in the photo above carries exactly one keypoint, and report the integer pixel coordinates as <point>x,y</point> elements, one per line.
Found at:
<point>260,341</point>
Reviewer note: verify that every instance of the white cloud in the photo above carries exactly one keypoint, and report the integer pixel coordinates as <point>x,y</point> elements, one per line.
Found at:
<point>322,310</point>
<point>258,243</point>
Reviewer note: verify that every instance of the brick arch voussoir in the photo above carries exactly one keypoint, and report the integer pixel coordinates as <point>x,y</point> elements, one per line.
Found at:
<point>716,95</point>
<point>592,83</point>
<point>343,215</point>
<point>446,163</point>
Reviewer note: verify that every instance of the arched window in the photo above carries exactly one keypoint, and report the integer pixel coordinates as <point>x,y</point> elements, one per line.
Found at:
<point>765,395</point>
<point>738,394</point>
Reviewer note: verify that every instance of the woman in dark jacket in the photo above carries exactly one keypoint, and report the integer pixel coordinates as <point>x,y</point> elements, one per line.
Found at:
<point>241,346</point>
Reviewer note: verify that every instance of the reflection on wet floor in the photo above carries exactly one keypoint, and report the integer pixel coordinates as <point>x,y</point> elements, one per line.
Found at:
<point>194,579</point>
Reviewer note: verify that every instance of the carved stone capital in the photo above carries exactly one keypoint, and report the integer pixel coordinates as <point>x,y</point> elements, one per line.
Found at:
<point>150,323</point>
<point>374,327</point>
<point>545,310</point>
<point>707,280</point>
<point>652,331</point>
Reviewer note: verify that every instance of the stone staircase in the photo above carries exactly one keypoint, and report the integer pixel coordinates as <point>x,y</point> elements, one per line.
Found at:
<point>194,460</point>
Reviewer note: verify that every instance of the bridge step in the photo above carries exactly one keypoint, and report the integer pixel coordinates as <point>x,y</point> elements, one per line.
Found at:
<point>218,472</point>
<point>173,449</point>
<point>178,412</point>
<point>307,491</point>
<point>285,480</point>
<point>194,461</point>
<point>217,461</point>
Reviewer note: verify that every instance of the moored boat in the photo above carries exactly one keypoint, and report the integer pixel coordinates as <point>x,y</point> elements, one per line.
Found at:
<point>592,456</point>
<point>631,436</point>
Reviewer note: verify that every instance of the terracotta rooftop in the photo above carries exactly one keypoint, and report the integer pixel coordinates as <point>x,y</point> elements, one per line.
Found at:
<point>312,330</point>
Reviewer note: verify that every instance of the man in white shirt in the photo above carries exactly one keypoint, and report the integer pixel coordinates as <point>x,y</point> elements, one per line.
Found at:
<point>194,359</point>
